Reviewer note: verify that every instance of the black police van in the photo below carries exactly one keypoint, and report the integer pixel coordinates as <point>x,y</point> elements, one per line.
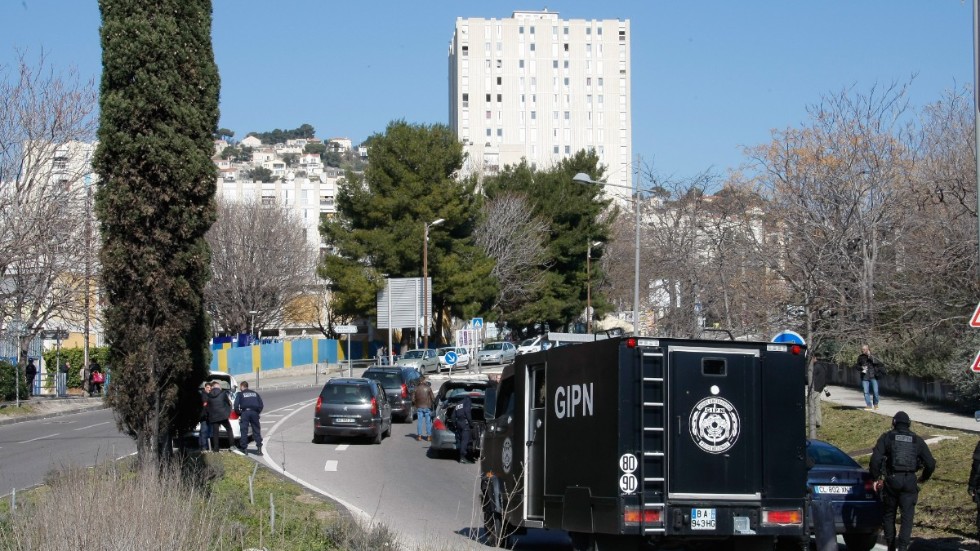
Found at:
<point>631,441</point>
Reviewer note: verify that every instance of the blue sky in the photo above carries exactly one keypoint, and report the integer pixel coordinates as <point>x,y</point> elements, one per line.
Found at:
<point>709,77</point>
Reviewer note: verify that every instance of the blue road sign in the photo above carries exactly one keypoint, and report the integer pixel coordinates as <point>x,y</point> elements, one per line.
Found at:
<point>477,323</point>
<point>451,358</point>
<point>790,337</point>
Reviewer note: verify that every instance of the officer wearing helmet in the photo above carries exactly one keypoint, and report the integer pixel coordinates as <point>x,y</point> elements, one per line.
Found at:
<point>897,455</point>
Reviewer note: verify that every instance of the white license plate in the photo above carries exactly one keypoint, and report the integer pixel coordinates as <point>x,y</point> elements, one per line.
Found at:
<point>838,490</point>
<point>703,519</point>
<point>344,420</point>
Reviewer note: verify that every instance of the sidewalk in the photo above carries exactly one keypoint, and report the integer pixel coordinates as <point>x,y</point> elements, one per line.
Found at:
<point>935,415</point>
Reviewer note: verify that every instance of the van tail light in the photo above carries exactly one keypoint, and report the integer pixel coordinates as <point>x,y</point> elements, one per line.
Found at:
<point>782,517</point>
<point>233,416</point>
<point>374,406</point>
<point>437,424</point>
<point>404,390</point>
<point>633,516</point>
<point>319,403</point>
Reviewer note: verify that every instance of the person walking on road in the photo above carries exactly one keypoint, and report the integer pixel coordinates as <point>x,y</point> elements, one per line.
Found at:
<point>219,410</point>
<point>871,368</point>
<point>463,416</point>
<point>973,485</point>
<point>423,400</point>
<point>248,405</point>
<point>897,455</point>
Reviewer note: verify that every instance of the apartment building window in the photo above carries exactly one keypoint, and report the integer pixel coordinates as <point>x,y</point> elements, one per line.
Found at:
<point>500,132</point>
<point>622,51</point>
<point>534,100</point>
<point>488,98</point>
<point>520,64</point>
<point>568,115</point>
<point>599,82</point>
<point>489,132</point>
<point>566,46</point>
<point>599,31</point>
<point>588,30</point>
<point>534,116</point>
<point>566,82</point>
<point>500,64</point>
<point>568,150</point>
<point>600,101</point>
<point>532,46</point>
<point>554,115</point>
<point>486,48</point>
<point>622,35</point>
<point>532,29</point>
<point>486,64</point>
<point>566,65</point>
<point>554,32</point>
<point>566,30</point>
<point>521,117</point>
<point>466,101</point>
<point>268,200</point>
<point>466,50</point>
<point>554,64</point>
<point>622,101</point>
<point>522,100</point>
<point>588,50</point>
<point>622,84</point>
<point>489,115</point>
<point>500,98</point>
<point>520,30</point>
<point>568,99</point>
<point>500,80</point>
<point>555,150</point>
<point>500,46</point>
<point>588,99</point>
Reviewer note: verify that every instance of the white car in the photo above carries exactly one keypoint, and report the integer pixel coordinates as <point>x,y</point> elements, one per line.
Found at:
<point>530,345</point>
<point>462,357</point>
<point>230,384</point>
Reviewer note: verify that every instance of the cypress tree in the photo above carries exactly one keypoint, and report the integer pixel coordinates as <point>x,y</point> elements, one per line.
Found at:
<point>158,114</point>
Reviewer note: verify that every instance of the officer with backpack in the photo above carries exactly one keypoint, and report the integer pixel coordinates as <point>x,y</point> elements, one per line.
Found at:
<point>897,455</point>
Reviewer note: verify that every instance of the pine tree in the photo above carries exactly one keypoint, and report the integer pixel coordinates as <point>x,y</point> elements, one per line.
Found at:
<point>158,115</point>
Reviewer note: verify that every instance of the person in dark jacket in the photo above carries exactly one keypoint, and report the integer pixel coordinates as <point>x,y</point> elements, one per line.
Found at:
<point>897,455</point>
<point>248,405</point>
<point>30,372</point>
<point>973,485</point>
<point>219,410</point>
<point>95,378</point>
<point>463,417</point>
<point>871,368</point>
<point>204,434</point>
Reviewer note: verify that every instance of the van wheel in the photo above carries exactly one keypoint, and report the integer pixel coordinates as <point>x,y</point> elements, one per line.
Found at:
<point>497,532</point>
<point>860,542</point>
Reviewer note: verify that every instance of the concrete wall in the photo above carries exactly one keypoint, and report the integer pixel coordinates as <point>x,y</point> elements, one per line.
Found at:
<point>263,357</point>
<point>927,390</point>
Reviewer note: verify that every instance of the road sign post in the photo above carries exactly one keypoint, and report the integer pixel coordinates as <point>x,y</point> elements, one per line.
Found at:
<point>975,322</point>
<point>347,330</point>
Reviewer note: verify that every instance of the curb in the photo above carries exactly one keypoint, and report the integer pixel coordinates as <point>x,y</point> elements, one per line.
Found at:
<point>50,414</point>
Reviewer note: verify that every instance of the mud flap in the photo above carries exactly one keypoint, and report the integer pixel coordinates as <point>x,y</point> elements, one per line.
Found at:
<point>823,525</point>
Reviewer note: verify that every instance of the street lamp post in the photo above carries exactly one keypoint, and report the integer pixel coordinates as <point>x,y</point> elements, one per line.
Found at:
<point>425,277</point>
<point>584,178</point>
<point>588,286</point>
<point>251,341</point>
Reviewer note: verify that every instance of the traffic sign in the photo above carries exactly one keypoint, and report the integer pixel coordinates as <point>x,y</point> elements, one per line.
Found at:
<point>450,358</point>
<point>345,329</point>
<point>976,364</point>
<point>975,320</point>
<point>58,334</point>
<point>789,337</point>
<point>477,323</point>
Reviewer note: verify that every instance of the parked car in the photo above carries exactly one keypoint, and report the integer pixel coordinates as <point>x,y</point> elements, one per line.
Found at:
<point>230,384</point>
<point>451,393</point>
<point>399,384</point>
<point>424,360</point>
<point>500,352</point>
<point>530,345</point>
<point>834,476</point>
<point>352,407</point>
<point>462,357</point>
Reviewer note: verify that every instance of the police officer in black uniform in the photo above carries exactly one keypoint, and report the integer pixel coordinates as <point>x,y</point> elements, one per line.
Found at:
<point>463,416</point>
<point>897,455</point>
<point>973,485</point>
<point>249,405</point>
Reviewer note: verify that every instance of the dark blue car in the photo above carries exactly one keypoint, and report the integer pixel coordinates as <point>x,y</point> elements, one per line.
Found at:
<point>835,477</point>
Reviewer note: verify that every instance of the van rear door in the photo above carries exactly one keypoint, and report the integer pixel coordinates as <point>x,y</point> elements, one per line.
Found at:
<point>714,437</point>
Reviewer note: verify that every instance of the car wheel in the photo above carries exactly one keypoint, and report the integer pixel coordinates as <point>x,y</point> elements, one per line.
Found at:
<point>319,439</point>
<point>497,532</point>
<point>378,437</point>
<point>387,433</point>
<point>409,417</point>
<point>861,542</point>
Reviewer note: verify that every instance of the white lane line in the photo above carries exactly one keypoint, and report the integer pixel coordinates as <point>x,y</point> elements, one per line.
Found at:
<point>342,447</point>
<point>331,466</point>
<point>361,514</point>
<point>95,425</point>
<point>38,438</point>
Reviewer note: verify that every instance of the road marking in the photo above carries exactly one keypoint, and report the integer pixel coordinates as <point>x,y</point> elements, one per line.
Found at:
<point>342,447</point>
<point>95,425</point>
<point>38,438</point>
<point>331,466</point>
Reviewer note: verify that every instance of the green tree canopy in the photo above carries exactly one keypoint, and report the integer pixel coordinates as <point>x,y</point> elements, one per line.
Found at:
<point>280,136</point>
<point>380,225</point>
<point>577,215</point>
<point>155,202</point>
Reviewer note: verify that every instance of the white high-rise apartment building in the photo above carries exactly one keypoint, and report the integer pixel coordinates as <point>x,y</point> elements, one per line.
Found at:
<point>542,88</point>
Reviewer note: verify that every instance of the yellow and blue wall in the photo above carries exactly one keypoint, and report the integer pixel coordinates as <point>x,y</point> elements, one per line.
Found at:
<point>279,355</point>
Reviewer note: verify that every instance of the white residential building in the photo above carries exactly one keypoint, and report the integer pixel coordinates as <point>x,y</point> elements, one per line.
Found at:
<point>251,141</point>
<point>538,87</point>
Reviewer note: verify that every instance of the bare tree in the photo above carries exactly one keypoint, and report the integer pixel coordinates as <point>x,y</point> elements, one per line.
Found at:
<point>516,240</point>
<point>261,262</point>
<point>46,126</point>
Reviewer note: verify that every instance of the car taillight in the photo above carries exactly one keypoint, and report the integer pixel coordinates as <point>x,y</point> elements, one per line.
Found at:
<point>234,415</point>
<point>374,406</point>
<point>782,517</point>
<point>437,424</point>
<point>404,390</point>
<point>319,402</point>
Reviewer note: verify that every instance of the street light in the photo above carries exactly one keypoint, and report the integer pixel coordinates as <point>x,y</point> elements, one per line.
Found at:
<point>588,286</point>
<point>251,325</point>
<point>425,276</point>
<point>584,178</point>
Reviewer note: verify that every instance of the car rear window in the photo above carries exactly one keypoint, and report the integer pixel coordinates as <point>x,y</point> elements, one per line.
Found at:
<point>828,455</point>
<point>388,379</point>
<point>346,394</point>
